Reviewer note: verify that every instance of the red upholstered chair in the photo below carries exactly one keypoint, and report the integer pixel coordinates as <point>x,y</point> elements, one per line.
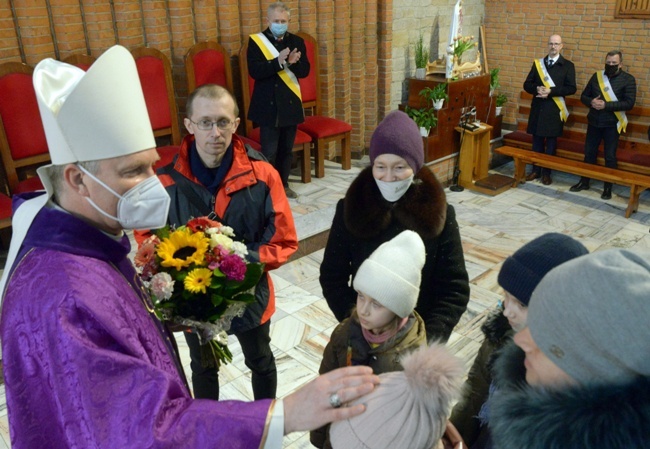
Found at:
<point>80,60</point>
<point>155,74</point>
<point>5,211</point>
<point>321,129</point>
<point>23,146</point>
<point>208,63</point>
<point>303,140</point>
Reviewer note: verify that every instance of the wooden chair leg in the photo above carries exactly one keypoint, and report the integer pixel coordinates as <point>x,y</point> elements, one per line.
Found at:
<point>319,149</point>
<point>346,152</point>
<point>305,155</point>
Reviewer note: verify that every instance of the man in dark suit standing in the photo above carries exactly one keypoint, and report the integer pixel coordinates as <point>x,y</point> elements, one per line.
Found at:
<point>549,81</point>
<point>276,59</point>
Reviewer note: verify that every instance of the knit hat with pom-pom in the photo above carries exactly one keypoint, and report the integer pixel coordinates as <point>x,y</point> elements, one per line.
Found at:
<point>409,408</point>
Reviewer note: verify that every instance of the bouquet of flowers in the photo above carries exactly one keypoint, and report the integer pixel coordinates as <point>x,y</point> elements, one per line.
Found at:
<point>461,45</point>
<point>198,277</point>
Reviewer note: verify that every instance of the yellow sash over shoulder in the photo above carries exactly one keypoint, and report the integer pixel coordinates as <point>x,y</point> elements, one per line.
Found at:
<point>548,82</point>
<point>270,52</point>
<point>609,95</point>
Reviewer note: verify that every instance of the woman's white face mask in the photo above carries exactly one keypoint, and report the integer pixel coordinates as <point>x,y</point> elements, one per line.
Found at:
<point>393,191</point>
<point>144,206</point>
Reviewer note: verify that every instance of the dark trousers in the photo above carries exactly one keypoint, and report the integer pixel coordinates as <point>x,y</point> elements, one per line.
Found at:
<point>609,136</point>
<point>546,145</point>
<point>256,347</point>
<point>277,146</point>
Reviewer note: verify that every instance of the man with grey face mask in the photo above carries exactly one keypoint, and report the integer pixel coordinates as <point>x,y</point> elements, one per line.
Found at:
<point>609,93</point>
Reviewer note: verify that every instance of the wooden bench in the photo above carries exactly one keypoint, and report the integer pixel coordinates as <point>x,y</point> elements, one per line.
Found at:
<point>633,153</point>
<point>636,181</point>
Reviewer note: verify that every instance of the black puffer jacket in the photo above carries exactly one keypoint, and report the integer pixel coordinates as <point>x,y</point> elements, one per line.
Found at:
<point>364,220</point>
<point>465,415</point>
<point>577,417</point>
<point>623,85</point>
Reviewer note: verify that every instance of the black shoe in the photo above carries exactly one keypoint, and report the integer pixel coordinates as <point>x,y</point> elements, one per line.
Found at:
<point>532,175</point>
<point>607,191</point>
<point>582,185</point>
<point>546,180</point>
<point>290,193</point>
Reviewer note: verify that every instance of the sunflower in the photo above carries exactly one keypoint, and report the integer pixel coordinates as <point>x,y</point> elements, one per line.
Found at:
<point>183,248</point>
<point>198,280</point>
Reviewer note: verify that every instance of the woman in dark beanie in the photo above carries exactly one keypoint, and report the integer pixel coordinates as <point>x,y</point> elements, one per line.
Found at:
<point>397,193</point>
<point>519,275</point>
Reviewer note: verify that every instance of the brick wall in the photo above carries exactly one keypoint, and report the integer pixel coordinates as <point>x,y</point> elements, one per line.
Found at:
<point>354,69</point>
<point>518,31</point>
<point>365,46</point>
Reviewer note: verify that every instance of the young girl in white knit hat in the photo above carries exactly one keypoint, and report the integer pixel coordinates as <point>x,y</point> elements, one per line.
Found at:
<point>384,325</point>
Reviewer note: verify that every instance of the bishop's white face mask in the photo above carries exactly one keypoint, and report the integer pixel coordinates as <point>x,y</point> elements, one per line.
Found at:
<point>144,206</point>
<point>393,191</point>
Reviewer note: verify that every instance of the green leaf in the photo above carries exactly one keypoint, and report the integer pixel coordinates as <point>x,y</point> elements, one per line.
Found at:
<point>246,298</point>
<point>216,299</point>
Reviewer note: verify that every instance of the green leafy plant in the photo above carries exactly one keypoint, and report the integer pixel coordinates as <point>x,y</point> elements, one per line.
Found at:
<point>438,92</point>
<point>501,100</point>
<point>424,118</point>
<point>494,79</point>
<point>421,53</point>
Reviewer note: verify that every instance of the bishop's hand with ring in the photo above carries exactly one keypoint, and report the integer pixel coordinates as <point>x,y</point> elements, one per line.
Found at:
<point>322,400</point>
<point>335,400</point>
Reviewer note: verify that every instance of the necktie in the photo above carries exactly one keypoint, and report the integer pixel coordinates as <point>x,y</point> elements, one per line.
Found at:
<point>550,63</point>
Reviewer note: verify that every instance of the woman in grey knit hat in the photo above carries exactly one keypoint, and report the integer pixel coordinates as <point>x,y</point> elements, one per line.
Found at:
<point>519,275</point>
<point>579,375</point>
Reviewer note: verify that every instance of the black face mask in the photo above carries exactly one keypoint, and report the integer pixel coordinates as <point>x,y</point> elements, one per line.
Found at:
<point>611,70</point>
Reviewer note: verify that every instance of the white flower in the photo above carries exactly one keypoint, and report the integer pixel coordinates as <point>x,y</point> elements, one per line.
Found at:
<point>162,286</point>
<point>227,230</point>
<point>221,240</point>
<point>240,249</point>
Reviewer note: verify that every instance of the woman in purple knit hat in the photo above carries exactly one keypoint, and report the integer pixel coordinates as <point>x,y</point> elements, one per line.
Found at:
<point>397,193</point>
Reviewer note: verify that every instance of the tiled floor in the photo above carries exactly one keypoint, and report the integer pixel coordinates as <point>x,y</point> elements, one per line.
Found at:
<point>491,229</point>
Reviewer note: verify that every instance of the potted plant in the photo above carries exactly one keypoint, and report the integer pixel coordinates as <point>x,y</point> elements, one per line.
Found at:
<point>437,95</point>
<point>425,118</point>
<point>421,58</point>
<point>500,101</point>
<point>494,80</point>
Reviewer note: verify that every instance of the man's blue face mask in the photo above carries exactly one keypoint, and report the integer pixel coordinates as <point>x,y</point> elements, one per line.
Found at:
<point>278,29</point>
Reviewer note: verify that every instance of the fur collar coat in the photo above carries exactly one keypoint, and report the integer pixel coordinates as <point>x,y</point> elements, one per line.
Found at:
<point>364,220</point>
<point>581,417</point>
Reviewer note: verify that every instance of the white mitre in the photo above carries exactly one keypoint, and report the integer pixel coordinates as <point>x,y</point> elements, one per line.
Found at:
<point>87,116</point>
<point>93,115</point>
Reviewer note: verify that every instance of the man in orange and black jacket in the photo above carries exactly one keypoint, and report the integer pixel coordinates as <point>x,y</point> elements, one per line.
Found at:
<point>216,173</point>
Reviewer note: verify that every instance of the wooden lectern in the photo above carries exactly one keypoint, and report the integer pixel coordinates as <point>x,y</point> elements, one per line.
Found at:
<point>474,162</point>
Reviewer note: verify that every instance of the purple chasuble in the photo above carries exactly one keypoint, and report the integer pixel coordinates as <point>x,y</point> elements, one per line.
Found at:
<point>86,365</point>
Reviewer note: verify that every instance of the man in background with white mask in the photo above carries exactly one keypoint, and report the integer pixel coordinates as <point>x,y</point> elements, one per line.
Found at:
<point>396,193</point>
<point>276,59</point>
<point>86,361</point>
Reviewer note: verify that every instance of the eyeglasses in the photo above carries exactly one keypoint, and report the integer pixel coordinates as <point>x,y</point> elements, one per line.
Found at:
<point>206,125</point>
<point>554,44</point>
